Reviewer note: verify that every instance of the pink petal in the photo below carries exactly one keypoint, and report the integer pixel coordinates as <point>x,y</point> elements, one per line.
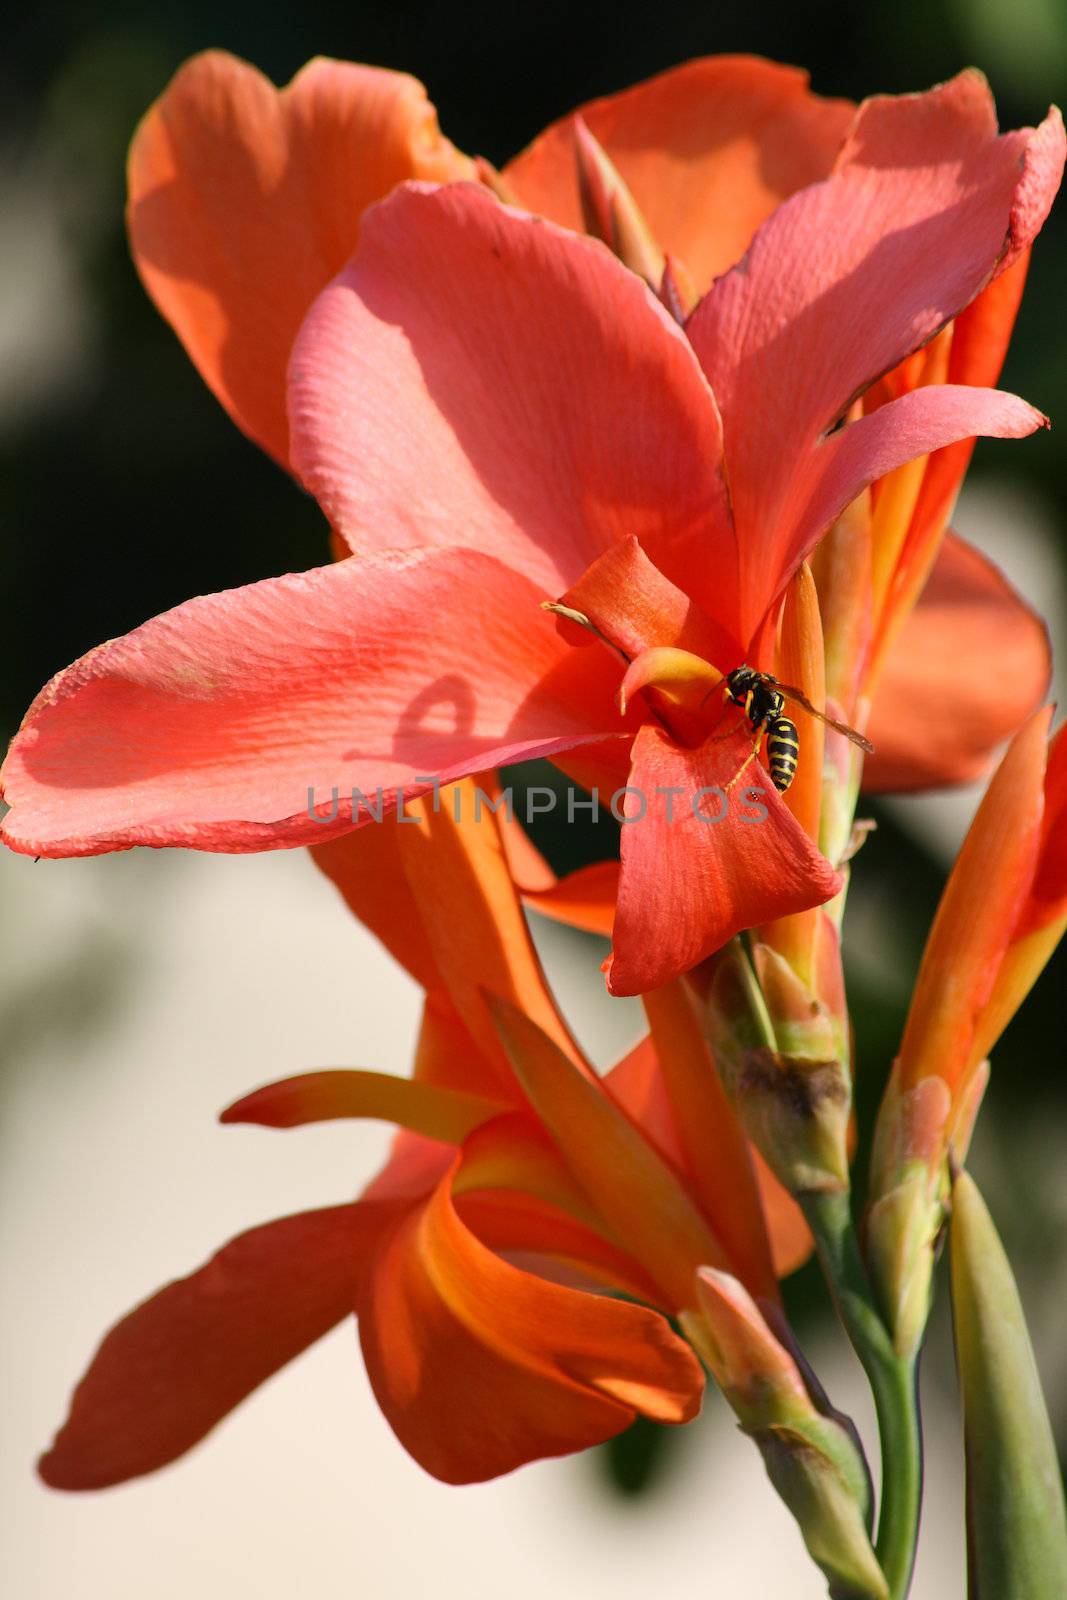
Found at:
<point>482,378</point>
<point>210,725</point>
<point>849,276</point>
<point>688,884</point>
<point>924,420</point>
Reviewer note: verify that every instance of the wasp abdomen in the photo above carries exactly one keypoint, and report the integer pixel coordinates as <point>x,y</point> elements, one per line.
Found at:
<point>783,747</point>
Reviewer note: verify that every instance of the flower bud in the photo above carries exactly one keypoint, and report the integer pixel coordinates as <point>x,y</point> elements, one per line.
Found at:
<point>611,213</point>
<point>810,1456</point>
<point>783,1056</point>
<point>1005,900</point>
<point>1017,1529</point>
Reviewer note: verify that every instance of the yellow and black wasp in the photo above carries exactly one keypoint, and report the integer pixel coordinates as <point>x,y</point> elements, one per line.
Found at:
<point>762,699</point>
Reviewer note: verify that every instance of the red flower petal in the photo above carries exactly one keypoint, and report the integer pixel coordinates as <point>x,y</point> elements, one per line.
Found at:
<point>481,1367</point>
<point>971,664</point>
<point>708,149</point>
<point>245,201</point>
<point>689,884</point>
<point>210,725</point>
<point>481,378</point>
<point>848,277</point>
<point>180,1362</point>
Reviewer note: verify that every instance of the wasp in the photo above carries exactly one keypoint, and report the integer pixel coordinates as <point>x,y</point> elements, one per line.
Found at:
<point>762,699</point>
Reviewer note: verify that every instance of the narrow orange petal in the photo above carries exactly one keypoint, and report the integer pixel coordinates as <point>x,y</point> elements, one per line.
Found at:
<point>425,1108</point>
<point>458,871</point>
<point>584,899</point>
<point>979,909</point>
<point>716,1151</point>
<point>650,1213</point>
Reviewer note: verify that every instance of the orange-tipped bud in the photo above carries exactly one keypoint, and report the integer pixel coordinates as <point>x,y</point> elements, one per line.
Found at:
<point>810,1457</point>
<point>610,211</point>
<point>983,901</point>
<point>1002,912</point>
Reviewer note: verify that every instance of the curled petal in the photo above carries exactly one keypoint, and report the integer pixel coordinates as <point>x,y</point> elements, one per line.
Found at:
<point>481,1367</point>
<point>244,200</point>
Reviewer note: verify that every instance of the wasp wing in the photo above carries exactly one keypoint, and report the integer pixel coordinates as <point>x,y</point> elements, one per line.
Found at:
<point>831,722</point>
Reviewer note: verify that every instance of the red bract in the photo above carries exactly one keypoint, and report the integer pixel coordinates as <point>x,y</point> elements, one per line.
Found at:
<point>503,414</point>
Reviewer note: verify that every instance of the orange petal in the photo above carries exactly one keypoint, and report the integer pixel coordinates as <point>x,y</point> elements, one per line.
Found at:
<point>244,201</point>
<point>716,1151</point>
<point>584,899</point>
<point>725,856</point>
<point>790,1236</point>
<point>554,1242</point>
<point>365,866</point>
<point>446,1114</point>
<point>707,149</point>
<point>1043,918</point>
<point>481,1367</point>
<point>985,893</point>
<point>970,665</point>
<point>650,1214</point>
<point>635,607</point>
<point>183,1360</point>
<point>471,911</point>
<point>979,344</point>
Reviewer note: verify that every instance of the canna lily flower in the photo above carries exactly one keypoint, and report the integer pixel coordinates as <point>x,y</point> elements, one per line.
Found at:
<point>588,468</point>
<point>244,202</point>
<point>512,1147</point>
<point>1002,914</point>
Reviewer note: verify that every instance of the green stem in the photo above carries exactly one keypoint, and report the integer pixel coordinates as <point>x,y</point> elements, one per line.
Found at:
<point>892,1380</point>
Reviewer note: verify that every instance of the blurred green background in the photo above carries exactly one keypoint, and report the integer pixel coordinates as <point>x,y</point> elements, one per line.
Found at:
<point>125,489</point>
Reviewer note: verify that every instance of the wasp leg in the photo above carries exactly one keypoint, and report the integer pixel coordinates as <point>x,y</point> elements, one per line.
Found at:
<point>743,768</point>
<point>730,731</point>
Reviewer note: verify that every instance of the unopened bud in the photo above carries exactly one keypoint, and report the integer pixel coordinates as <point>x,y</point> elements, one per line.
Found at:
<point>811,1459</point>
<point>610,212</point>
<point>783,1056</point>
<point>1017,1530</point>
